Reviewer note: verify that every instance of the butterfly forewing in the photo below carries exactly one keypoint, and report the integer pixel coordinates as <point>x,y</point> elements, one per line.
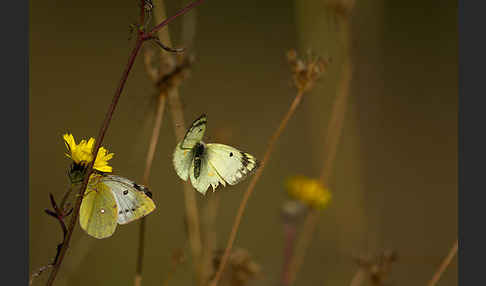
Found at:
<point>195,133</point>
<point>230,163</point>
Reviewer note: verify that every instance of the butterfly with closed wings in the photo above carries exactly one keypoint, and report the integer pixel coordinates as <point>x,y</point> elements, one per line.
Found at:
<point>111,200</point>
<point>210,164</point>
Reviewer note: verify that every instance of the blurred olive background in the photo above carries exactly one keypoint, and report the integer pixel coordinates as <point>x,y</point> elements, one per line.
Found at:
<point>395,175</point>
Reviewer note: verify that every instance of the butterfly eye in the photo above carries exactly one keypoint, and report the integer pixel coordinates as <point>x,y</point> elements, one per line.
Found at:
<point>231,154</point>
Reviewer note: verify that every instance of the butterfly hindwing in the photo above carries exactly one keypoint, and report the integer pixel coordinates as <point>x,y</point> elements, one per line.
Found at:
<point>195,133</point>
<point>133,200</point>
<point>98,212</point>
<point>230,163</point>
<point>206,176</point>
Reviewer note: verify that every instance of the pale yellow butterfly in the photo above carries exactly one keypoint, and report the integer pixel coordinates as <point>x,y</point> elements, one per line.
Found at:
<point>110,200</point>
<point>210,164</point>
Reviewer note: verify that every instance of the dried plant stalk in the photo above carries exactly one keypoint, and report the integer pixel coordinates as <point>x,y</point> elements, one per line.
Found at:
<point>175,106</point>
<point>443,266</point>
<point>154,139</point>
<point>251,187</point>
<point>310,224</point>
<point>209,236</point>
<point>305,74</point>
<point>342,9</point>
<point>332,140</point>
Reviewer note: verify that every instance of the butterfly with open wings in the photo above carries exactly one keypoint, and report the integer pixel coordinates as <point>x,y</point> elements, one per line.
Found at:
<point>210,164</point>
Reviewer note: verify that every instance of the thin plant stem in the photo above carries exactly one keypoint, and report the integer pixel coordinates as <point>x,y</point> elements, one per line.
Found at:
<point>168,20</point>
<point>251,186</point>
<point>209,214</point>
<point>175,106</point>
<point>336,122</point>
<point>290,235</point>
<point>141,38</point>
<point>154,139</point>
<point>99,140</point>
<point>191,208</point>
<point>445,263</point>
<point>303,242</point>
<point>334,131</point>
<point>330,148</point>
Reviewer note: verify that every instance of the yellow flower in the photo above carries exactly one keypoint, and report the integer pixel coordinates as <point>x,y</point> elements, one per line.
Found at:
<point>308,191</point>
<point>81,153</point>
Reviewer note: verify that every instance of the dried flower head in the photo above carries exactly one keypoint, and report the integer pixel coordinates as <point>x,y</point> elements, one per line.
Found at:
<point>342,8</point>
<point>242,267</point>
<point>306,71</point>
<point>378,266</point>
<point>81,154</point>
<point>309,191</point>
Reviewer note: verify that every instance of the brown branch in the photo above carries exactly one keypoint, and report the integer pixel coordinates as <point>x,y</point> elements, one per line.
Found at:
<point>191,209</point>
<point>336,123</point>
<point>167,78</point>
<point>209,235</point>
<point>251,187</point>
<point>99,140</point>
<point>142,37</point>
<point>443,266</point>
<point>305,74</point>
<point>168,20</point>
<point>333,134</point>
<point>175,106</point>
<point>303,242</point>
<point>154,139</point>
<point>330,147</point>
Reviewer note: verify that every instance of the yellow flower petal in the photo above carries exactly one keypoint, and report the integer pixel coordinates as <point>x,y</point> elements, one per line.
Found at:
<point>82,153</point>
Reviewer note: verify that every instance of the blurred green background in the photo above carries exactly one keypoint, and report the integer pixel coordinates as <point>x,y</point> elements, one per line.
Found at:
<point>395,174</point>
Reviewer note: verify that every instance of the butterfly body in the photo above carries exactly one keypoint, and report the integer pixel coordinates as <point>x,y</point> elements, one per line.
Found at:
<point>198,156</point>
<point>210,164</point>
<point>110,200</point>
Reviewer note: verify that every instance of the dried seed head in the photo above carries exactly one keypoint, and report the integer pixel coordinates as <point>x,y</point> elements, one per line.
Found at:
<point>241,268</point>
<point>379,266</point>
<point>341,8</point>
<point>306,71</point>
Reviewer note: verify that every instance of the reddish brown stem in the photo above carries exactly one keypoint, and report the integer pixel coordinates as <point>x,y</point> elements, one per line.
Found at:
<point>99,140</point>
<point>290,235</point>
<point>142,37</point>
<point>168,20</point>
